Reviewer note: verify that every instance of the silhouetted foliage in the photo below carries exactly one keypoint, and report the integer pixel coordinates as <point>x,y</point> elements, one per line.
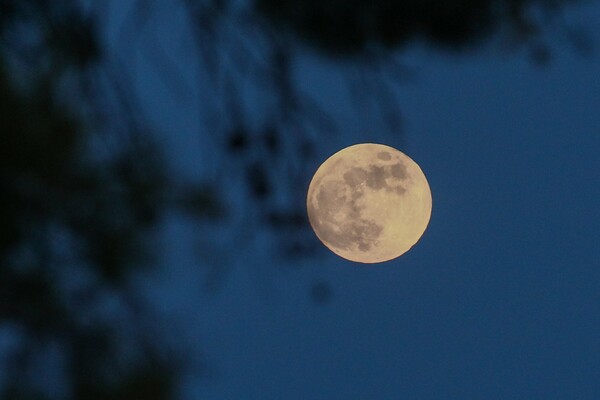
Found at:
<point>352,27</point>
<point>321,292</point>
<point>238,140</point>
<point>77,221</point>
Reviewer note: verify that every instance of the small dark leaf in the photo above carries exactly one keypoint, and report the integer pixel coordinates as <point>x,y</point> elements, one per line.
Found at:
<point>238,140</point>
<point>271,140</point>
<point>307,150</point>
<point>202,202</point>
<point>540,54</point>
<point>296,249</point>
<point>582,41</point>
<point>290,219</point>
<point>321,292</point>
<point>257,178</point>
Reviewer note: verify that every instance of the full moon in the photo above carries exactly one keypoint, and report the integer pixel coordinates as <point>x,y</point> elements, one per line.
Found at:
<point>369,203</point>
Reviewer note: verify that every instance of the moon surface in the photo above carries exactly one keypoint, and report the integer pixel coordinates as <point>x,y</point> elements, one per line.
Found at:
<point>369,203</point>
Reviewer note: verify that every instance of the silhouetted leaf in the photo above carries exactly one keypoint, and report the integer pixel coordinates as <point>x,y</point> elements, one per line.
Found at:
<point>202,201</point>
<point>271,140</point>
<point>321,292</point>
<point>258,180</point>
<point>238,140</point>
<point>292,219</point>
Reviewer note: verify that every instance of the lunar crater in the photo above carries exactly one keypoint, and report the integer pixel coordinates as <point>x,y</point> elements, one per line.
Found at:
<point>376,177</point>
<point>355,176</point>
<point>384,155</point>
<point>361,234</point>
<point>398,171</point>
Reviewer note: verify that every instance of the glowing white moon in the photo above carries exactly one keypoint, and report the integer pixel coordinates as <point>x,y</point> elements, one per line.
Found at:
<point>369,203</point>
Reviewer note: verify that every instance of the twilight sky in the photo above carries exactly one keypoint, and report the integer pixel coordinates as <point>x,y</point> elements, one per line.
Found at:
<point>499,300</point>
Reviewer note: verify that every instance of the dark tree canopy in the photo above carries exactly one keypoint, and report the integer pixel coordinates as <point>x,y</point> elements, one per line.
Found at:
<point>350,27</point>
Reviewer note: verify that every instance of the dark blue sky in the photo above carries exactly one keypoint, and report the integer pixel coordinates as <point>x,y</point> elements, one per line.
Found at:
<point>499,300</point>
